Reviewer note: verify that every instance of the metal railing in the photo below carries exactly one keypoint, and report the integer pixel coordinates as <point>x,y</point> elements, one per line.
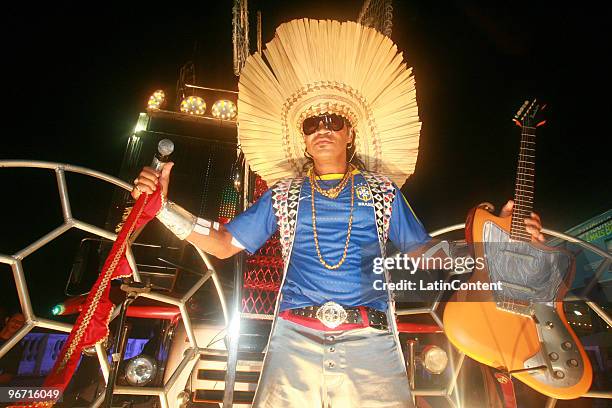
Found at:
<point>176,381</point>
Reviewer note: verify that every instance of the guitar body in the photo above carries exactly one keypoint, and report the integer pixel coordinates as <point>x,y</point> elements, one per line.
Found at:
<point>498,328</point>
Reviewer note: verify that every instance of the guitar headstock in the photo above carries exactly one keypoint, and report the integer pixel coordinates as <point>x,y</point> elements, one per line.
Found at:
<point>530,113</point>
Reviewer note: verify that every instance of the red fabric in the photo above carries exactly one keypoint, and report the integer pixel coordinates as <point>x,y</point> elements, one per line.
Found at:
<point>91,326</point>
<point>408,327</point>
<point>154,312</point>
<point>314,323</point>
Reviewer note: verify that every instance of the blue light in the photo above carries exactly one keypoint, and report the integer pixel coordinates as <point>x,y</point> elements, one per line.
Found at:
<point>58,309</point>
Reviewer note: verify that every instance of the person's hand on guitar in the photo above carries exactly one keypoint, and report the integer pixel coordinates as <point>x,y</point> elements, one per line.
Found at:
<point>148,181</point>
<point>533,225</point>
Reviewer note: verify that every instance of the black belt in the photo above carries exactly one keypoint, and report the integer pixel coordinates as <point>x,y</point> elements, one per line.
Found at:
<point>375,318</point>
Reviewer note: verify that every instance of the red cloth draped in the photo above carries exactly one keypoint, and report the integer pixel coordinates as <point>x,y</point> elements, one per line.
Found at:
<point>91,326</point>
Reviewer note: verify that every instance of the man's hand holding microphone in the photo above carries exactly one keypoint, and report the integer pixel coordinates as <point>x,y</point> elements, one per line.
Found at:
<point>158,174</point>
<point>209,236</point>
<point>149,180</point>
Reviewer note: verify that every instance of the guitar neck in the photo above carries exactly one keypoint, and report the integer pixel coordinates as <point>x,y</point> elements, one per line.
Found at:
<point>525,182</point>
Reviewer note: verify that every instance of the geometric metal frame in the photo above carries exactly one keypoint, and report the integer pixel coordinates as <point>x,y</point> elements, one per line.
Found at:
<point>179,376</point>
<point>168,392</point>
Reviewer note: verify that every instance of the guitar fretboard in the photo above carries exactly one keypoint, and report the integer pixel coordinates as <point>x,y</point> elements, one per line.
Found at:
<point>525,182</point>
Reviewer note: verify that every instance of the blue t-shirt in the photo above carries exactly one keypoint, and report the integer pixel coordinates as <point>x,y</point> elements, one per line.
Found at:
<point>308,281</point>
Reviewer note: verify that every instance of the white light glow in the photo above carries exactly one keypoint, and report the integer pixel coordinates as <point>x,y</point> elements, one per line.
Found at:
<point>193,105</point>
<point>156,100</point>
<point>142,124</point>
<point>224,110</point>
<point>234,327</point>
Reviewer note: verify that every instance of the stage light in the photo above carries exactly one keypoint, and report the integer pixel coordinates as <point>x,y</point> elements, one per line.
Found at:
<point>140,370</point>
<point>193,105</point>
<point>228,204</point>
<point>156,100</point>
<point>224,110</point>
<point>142,124</point>
<point>435,359</point>
<point>58,309</point>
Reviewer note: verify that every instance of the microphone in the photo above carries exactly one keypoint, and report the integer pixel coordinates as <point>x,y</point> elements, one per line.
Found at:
<point>165,147</point>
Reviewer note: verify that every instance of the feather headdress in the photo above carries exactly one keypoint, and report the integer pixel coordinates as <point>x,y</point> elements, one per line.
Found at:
<point>322,66</point>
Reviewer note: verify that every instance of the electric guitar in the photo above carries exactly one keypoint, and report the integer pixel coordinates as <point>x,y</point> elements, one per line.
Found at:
<point>521,328</point>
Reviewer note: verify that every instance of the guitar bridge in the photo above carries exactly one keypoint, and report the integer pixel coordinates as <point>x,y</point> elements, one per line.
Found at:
<point>516,307</point>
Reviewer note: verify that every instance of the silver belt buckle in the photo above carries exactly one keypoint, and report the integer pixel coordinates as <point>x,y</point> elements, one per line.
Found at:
<point>331,315</point>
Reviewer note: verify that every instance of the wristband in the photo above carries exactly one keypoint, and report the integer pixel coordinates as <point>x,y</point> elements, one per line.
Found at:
<point>177,219</point>
<point>203,226</point>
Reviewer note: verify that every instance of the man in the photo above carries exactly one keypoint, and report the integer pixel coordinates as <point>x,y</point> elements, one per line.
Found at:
<point>334,99</point>
<point>9,364</point>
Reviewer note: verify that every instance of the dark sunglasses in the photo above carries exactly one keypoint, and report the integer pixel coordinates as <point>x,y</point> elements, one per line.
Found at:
<point>330,121</point>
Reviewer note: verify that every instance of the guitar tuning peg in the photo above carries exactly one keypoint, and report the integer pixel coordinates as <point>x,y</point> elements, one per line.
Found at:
<point>532,104</point>
<point>542,123</point>
<point>517,122</point>
<point>521,109</point>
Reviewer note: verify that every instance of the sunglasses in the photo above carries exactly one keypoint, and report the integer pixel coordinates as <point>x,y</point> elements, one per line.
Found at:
<point>330,121</point>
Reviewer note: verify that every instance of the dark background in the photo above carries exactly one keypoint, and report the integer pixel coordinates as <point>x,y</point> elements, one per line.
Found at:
<point>75,83</point>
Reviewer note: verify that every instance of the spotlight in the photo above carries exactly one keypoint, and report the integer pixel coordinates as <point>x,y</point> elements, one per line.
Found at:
<point>435,359</point>
<point>224,109</point>
<point>156,100</point>
<point>193,105</point>
<point>140,370</point>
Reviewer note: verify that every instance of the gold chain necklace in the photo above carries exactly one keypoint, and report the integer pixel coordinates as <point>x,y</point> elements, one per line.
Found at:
<point>314,223</point>
<point>332,192</point>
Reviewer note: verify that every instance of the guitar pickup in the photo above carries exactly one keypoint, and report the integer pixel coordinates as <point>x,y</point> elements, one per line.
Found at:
<point>522,256</point>
<point>520,288</point>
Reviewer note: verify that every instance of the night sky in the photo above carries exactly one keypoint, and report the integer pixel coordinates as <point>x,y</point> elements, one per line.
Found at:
<point>75,85</point>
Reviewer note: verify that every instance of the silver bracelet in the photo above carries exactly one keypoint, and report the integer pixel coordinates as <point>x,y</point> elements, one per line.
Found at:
<point>177,219</point>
